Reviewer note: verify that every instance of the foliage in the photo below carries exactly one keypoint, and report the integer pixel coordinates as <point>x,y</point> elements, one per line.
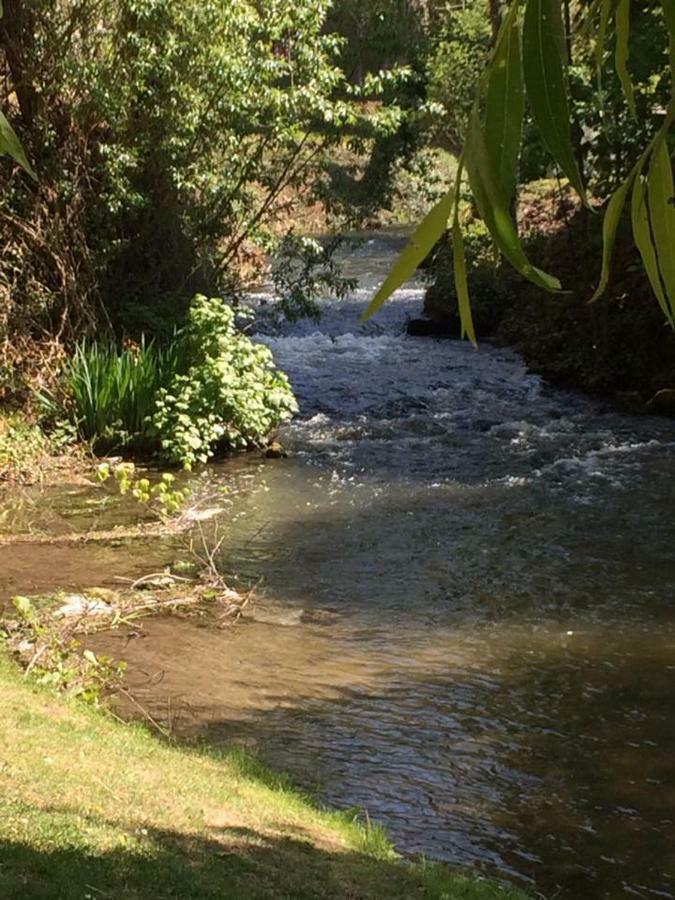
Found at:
<point>531,58</point>
<point>211,388</point>
<point>455,62</point>
<point>169,137</point>
<point>22,444</point>
<point>617,347</point>
<point>55,658</point>
<point>230,395</point>
<point>28,454</point>
<point>110,394</point>
<point>304,271</point>
<point>161,498</point>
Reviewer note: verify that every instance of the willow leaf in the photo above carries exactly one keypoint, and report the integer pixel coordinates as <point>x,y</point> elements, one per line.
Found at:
<point>622,52</point>
<point>494,207</point>
<point>601,37</point>
<point>416,250</point>
<point>505,104</point>
<point>610,226</point>
<point>660,192</point>
<point>461,284</point>
<point>10,144</point>
<point>643,241</point>
<point>544,72</point>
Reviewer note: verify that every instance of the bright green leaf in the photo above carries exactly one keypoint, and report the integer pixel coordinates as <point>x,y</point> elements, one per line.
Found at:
<point>643,240</point>
<point>10,144</point>
<point>461,285</point>
<point>416,250</point>
<point>609,228</point>
<point>505,104</point>
<point>544,71</point>
<point>494,208</point>
<point>661,199</point>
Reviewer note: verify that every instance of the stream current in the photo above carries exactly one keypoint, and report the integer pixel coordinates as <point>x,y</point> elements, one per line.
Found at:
<point>465,622</point>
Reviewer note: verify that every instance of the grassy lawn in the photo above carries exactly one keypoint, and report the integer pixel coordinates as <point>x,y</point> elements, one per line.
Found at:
<point>91,808</point>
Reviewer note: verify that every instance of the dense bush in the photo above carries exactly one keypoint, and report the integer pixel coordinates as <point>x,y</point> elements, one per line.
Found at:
<point>169,136</point>
<point>230,396</point>
<point>212,388</point>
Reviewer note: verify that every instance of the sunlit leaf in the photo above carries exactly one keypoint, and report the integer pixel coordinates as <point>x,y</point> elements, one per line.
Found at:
<point>601,36</point>
<point>622,52</point>
<point>660,192</point>
<point>610,226</point>
<point>643,240</point>
<point>494,207</point>
<point>544,71</point>
<point>505,104</point>
<point>461,285</point>
<point>416,250</point>
<point>10,144</point>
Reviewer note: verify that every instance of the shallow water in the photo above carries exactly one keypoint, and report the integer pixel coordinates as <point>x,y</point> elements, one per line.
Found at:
<point>465,624</point>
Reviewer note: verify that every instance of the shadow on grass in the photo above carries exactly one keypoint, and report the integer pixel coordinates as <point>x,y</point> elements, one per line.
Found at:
<point>237,863</point>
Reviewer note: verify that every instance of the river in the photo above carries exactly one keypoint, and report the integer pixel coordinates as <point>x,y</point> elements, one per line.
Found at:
<point>465,621</point>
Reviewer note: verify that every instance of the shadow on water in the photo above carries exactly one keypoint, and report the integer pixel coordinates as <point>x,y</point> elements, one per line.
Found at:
<point>494,686</point>
<point>551,759</point>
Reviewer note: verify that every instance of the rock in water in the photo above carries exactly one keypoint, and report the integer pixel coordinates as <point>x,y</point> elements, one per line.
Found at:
<point>663,402</point>
<point>275,450</point>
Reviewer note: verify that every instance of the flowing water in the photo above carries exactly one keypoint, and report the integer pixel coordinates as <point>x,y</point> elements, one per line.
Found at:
<point>466,622</point>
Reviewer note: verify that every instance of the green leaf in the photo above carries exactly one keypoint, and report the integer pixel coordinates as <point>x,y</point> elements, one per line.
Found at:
<point>416,250</point>
<point>622,52</point>
<point>461,285</point>
<point>494,207</point>
<point>601,37</point>
<point>505,104</point>
<point>660,192</point>
<point>643,241</point>
<point>610,226</point>
<point>10,144</point>
<point>544,71</point>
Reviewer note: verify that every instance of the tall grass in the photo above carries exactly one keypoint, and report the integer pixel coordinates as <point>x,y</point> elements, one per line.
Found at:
<point>113,391</point>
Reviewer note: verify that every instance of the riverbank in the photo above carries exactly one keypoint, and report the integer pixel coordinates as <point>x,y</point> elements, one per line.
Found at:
<point>618,347</point>
<point>95,808</point>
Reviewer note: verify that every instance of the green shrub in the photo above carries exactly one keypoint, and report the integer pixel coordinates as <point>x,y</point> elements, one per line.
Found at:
<point>212,388</point>
<point>230,396</point>
<point>22,447</point>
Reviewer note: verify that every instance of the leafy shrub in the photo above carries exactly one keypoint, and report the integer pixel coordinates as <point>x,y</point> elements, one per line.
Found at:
<point>22,446</point>
<point>230,396</point>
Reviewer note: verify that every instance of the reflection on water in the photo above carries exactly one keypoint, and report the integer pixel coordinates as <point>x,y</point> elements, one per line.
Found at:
<point>467,617</point>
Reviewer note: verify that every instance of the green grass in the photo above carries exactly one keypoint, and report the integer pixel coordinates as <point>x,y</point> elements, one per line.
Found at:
<point>92,808</point>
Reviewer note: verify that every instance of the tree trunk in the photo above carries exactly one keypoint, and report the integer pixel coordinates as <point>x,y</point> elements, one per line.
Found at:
<point>17,28</point>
